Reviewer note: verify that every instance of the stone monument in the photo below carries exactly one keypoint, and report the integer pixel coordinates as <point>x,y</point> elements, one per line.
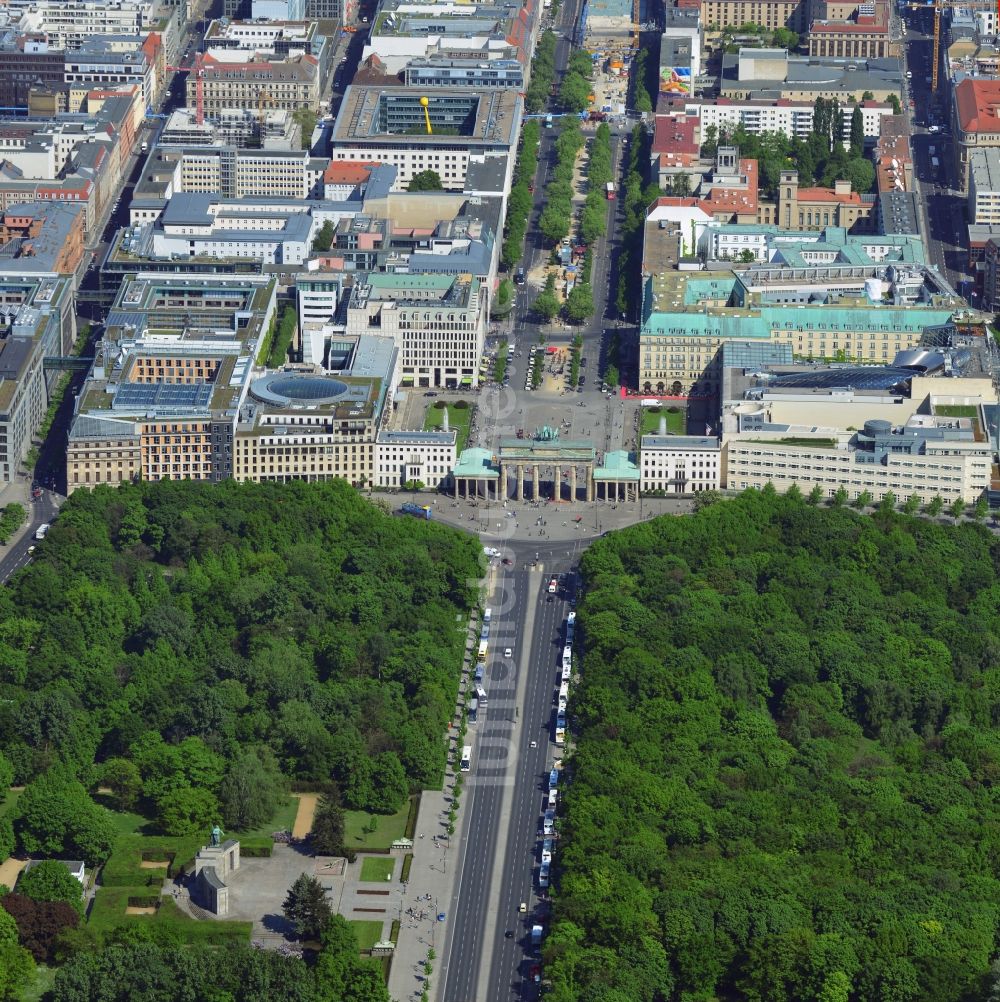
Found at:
<point>212,866</point>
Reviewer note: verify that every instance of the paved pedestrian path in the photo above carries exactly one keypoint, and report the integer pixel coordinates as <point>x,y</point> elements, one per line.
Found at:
<point>305,814</point>
<point>431,890</point>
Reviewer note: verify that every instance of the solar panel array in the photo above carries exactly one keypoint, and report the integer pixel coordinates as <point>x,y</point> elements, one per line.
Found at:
<point>163,397</point>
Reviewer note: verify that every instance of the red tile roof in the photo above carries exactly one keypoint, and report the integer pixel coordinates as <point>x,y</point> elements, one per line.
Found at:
<point>978,102</point>
<point>733,201</point>
<point>675,134</point>
<point>348,172</point>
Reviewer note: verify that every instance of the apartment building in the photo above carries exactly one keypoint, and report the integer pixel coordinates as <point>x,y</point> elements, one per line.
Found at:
<point>105,64</point>
<point>41,238</point>
<point>791,118</point>
<point>975,117</point>
<point>984,187</point>
<point>75,158</point>
<point>404,30</point>
<point>679,464</point>
<point>404,457</point>
<point>291,83</point>
<point>794,14</point>
<point>438,322</point>
<point>67,24</point>
<point>26,62</point>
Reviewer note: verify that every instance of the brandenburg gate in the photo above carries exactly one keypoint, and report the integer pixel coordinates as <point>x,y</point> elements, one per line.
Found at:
<point>537,460</point>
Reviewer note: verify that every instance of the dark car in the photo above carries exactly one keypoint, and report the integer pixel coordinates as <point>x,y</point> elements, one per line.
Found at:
<point>509,934</point>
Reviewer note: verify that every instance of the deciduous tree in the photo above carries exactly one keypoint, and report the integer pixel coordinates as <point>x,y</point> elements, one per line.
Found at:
<point>251,788</point>
<point>50,880</point>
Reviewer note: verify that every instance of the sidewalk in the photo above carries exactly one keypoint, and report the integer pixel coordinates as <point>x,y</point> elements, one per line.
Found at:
<point>490,519</point>
<point>431,888</point>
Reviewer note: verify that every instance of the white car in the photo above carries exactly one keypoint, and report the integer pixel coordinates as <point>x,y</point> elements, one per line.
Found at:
<point>508,653</point>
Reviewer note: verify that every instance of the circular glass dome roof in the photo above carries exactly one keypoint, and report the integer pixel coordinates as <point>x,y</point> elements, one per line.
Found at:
<point>289,390</point>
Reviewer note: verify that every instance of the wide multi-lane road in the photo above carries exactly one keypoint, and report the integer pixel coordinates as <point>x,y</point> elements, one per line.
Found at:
<point>15,554</point>
<point>487,955</point>
<point>940,202</point>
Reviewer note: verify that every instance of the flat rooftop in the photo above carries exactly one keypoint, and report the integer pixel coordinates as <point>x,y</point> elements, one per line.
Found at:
<point>417,437</point>
<point>464,117</point>
<point>699,442</point>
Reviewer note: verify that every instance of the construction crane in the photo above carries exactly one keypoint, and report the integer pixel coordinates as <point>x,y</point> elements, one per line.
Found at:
<point>635,25</point>
<point>199,87</point>
<point>937,6</point>
<point>424,102</point>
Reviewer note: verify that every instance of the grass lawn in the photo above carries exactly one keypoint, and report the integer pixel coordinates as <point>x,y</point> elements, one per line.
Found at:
<point>110,903</point>
<point>389,828</point>
<point>44,977</point>
<point>125,822</point>
<point>676,421</point>
<point>367,933</point>
<point>9,802</point>
<point>459,419</point>
<point>956,410</point>
<point>377,869</point>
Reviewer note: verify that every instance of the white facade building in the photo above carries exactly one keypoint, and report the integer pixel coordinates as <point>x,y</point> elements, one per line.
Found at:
<point>317,298</point>
<point>405,456</point>
<point>68,23</point>
<point>793,118</point>
<point>986,23</point>
<point>984,186</point>
<point>198,225</point>
<point>935,458</point>
<point>679,464</point>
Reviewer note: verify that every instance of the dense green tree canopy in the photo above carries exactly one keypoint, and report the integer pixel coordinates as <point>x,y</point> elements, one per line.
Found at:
<point>146,972</point>
<point>787,745</point>
<point>50,880</point>
<point>206,641</point>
